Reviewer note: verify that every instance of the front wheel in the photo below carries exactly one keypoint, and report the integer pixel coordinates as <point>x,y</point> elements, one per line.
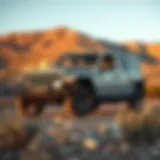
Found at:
<point>80,101</point>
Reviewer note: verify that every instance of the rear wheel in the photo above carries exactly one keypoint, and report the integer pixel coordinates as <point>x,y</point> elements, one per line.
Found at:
<point>80,101</point>
<point>135,102</point>
<point>28,109</point>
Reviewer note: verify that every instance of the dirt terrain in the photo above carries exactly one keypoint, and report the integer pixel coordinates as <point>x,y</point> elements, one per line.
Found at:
<point>104,110</point>
<point>96,136</point>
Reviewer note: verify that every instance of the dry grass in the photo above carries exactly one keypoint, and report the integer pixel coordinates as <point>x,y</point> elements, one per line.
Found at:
<point>140,127</point>
<point>14,133</point>
<point>35,156</point>
<point>153,91</point>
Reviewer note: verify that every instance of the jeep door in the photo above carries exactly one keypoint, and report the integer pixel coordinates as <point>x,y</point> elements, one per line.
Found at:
<point>111,81</point>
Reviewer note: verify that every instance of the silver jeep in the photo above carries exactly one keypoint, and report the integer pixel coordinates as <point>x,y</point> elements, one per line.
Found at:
<point>82,81</point>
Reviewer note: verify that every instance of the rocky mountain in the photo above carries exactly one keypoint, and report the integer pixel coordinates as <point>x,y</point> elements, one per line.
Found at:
<point>21,51</point>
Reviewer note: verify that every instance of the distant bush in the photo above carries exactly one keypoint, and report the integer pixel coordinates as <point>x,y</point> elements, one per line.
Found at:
<point>153,91</point>
<point>25,139</point>
<point>131,126</point>
<point>35,156</point>
<point>140,128</point>
<point>14,133</point>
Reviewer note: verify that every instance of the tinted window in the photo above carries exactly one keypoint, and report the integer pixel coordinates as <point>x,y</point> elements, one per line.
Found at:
<point>108,62</point>
<point>86,60</point>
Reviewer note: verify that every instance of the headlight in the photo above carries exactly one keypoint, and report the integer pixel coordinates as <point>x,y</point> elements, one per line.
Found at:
<point>57,84</point>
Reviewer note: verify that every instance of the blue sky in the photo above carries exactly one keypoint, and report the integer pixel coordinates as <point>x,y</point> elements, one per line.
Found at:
<point>118,20</point>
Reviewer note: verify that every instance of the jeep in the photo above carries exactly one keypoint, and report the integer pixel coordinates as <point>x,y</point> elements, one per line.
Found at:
<point>81,82</point>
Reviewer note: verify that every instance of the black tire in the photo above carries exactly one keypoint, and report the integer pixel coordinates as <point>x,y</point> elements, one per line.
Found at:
<point>25,109</point>
<point>134,104</point>
<point>80,101</point>
<point>135,101</point>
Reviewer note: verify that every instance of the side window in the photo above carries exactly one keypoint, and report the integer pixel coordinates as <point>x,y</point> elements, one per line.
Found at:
<point>124,61</point>
<point>108,62</point>
<point>129,62</point>
<point>134,62</point>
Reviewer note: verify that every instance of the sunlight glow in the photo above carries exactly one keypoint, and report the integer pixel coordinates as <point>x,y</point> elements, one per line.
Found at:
<point>43,65</point>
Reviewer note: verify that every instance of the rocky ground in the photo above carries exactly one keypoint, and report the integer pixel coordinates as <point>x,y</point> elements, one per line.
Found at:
<point>55,136</point>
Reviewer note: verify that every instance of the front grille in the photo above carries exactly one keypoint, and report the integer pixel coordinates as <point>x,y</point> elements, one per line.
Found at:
<point>42,79</point>
<point>39,89</point>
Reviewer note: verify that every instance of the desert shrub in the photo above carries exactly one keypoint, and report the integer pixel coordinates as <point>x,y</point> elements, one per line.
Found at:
<point>156,91</point>
<point>14,132</point>
<point>153,91</point>
<point>25,138</point>
<point>139,127</point>
<point>43,146</point>
<point>132,126</point>
<point>152,124</point>
<point>35,156</point>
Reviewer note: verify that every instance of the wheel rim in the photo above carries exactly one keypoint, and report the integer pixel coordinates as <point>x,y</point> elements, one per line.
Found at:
<point>28,110</point>
<point>32,109</point>
<point>83,101</point>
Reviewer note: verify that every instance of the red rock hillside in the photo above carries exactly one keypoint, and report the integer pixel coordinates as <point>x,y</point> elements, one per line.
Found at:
<point>29,50</point>
<point>20,51</point>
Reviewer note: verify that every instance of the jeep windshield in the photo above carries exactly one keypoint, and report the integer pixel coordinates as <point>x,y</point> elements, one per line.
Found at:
<point>78,61</point>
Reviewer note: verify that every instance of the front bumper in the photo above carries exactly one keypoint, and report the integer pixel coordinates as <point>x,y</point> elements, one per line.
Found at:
<point>48,96</point>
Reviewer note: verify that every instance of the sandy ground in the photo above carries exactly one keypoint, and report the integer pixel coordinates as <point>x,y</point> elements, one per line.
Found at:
<point>53,113</point>
<point>56,122</point>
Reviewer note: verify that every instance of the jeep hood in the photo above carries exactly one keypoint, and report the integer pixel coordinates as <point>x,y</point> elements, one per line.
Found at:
<point>78,72</point>
<point>61,72</point>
